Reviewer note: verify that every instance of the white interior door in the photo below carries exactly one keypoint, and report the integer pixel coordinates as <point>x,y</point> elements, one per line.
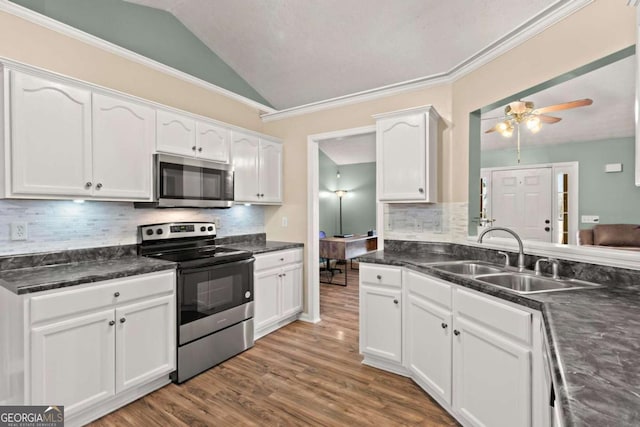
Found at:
<point>521,200</point>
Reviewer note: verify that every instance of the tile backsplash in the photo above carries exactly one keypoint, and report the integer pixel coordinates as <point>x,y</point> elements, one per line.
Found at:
<point>61,225</point>
<point>440,222</point>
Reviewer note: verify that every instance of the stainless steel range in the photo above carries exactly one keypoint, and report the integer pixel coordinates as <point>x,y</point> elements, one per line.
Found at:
<point>215,293</point>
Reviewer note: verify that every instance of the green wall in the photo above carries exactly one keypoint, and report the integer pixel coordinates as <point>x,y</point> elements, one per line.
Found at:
<point>612,196</point>
<point>358,206</point>
<point>153,33</point>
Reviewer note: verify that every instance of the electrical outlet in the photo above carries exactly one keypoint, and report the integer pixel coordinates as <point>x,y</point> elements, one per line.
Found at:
<point>285,221</point>
<point>217,222</point>
<point>18,231</point>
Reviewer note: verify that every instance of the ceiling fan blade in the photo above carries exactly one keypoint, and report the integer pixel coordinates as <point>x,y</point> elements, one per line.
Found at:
<point>563,106</point>
<point>548,119</point>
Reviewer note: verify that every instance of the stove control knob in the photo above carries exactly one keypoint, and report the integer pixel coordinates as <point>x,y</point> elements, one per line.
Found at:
<point>159,231</point>
<point>210,228</point>
<point>247,294</point>
<point>149,231</point>
<point>203,228</point>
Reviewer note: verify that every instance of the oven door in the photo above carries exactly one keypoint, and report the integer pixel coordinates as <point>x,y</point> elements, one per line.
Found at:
<point>192,182</point>
<point>213,298</point>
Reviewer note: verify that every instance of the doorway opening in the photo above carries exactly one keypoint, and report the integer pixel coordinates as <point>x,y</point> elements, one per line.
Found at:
<point>323,191</point>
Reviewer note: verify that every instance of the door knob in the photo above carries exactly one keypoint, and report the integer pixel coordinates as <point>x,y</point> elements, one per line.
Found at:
<point>547,229</point>
<point>546,221</point>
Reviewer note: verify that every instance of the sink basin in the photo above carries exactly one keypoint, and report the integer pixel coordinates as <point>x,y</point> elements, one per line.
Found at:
<point>469,268</point>
<point>528,284</point>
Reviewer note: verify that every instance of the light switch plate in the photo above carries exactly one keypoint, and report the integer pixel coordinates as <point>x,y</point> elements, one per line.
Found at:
<point>613,167</point>
<point>590,219</point>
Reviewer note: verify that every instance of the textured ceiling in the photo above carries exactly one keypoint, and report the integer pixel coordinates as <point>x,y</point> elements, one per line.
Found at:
<point>296,52</point>
<point>350,150</point>
<point>612,89</point>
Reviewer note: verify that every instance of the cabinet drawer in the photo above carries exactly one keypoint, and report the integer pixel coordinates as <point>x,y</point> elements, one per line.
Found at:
<point>101,294</point>
<point>277,259</point>
<point>430,288</point>
<point>381,275</point>
<point>501,317</point>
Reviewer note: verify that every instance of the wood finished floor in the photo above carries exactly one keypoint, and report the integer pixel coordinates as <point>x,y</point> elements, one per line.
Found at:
<point>302,374</point>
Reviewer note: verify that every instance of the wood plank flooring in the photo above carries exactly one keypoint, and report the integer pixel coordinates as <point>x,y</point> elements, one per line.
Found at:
<point>302,374</point>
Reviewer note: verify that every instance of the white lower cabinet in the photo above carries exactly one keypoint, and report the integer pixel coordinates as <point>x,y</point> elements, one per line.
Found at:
<point>277,290</point>
<point>479,357</point>
<point>95,347</point>
<point>73,362</point>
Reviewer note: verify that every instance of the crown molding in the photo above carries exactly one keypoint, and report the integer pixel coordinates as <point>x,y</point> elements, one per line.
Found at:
<point>543,20</point>
<point>67,30</point>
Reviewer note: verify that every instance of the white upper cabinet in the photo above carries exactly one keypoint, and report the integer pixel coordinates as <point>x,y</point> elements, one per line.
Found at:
<point>270,171</point>
<point>184,136</point>
<point>123,138</point>
<point>176,134</point>
<point>213,142</point>
<point>258,169</point>
<point>407,155</point>
<point>246,149</point>
<point>50,137</point>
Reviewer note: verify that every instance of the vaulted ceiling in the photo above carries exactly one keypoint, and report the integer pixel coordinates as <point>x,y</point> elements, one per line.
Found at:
<point>295,52</point>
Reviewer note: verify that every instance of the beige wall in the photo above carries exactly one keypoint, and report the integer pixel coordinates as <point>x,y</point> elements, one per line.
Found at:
<point>601,28</point>
<point>32,44</point>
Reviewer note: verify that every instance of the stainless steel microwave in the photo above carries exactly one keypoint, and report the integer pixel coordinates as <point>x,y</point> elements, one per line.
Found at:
<point>191,183</point>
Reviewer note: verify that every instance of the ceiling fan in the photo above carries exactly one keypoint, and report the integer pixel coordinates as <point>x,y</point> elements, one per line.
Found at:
<point>517,112</point>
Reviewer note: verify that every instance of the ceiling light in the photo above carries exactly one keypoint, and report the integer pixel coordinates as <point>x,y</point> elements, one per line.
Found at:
<point>507,131</point>
<point>533,124</point>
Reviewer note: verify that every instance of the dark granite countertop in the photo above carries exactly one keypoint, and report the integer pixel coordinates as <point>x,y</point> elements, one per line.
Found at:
<point>593,335</point>
<point>259,247</point>
<point>44,278</point>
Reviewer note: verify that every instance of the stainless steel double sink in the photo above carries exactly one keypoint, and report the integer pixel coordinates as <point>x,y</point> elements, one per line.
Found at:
<point>507,278</point>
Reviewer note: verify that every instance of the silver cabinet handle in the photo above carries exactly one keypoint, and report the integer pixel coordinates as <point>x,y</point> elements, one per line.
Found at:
<point>261,194</point>
<point>395,301</point>
<point>122,320</point>
<point>420,190</point>
<point>88,184</point>
<point>281,259</point>
<point>193,148</point>
<point>257,194</point>
<point>99,185</point>
<point>117,294</point>
<point>379,277</point>
<point>200,149</point>
<point>284,274</point>
<point>112,322</point>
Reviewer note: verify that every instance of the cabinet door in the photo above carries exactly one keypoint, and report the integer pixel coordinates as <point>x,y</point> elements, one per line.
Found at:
<point>72,362</point>
<point>402,157</point>
<point>123,138</point>
<point>292,290</point>
<point>145,341</point>
<point>381,323</point>
<point>267,298</point>
<point>175,134</point>
<point>212,142</point>
<point>492,378</point>
<point>270,172</point>
<point>50,137</point>
<point>429,345</point>
<point>245,162</point>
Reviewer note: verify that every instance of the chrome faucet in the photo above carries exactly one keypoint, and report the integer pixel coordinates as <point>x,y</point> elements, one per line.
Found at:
<point>554,266</point>
<point>515,235</point>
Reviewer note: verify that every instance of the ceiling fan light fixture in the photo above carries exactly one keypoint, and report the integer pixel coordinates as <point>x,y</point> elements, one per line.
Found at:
<point>533,124</point>
<point>507,132</point>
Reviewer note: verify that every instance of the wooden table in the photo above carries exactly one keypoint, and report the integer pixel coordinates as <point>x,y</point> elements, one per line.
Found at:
<point>347,248</point>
